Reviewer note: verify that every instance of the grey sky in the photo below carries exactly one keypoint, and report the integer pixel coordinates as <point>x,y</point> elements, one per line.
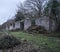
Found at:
<point>8,9</point>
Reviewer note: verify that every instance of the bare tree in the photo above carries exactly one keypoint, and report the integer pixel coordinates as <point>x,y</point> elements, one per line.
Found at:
<point>20,12</point>
<point>33,8</point>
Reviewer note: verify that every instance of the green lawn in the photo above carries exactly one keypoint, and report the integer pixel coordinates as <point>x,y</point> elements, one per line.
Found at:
<point>51,43</point>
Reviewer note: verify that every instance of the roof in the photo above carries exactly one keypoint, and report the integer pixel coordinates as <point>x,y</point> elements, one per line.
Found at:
<point>8,22</point>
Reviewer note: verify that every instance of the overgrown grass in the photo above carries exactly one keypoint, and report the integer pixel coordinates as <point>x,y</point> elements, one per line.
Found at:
<point>51,43</point>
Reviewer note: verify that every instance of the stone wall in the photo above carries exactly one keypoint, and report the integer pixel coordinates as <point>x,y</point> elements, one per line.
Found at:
<point>27,24</point>
<point>42,22</point>
<point>45,23</point>
<point>17,25</point>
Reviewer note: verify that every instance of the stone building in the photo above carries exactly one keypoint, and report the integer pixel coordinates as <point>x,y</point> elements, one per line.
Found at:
<point>26,23</point>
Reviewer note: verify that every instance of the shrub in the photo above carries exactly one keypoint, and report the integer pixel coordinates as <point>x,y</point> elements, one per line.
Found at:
<point>8,41</point>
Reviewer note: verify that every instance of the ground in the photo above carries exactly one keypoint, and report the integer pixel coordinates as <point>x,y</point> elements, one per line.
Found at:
<point>50,43</point>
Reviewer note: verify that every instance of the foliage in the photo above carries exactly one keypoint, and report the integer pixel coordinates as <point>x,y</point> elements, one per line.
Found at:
<point>7,41</point>
<point>52,12</point>
<point>19,16</point>
<point>51,9</point>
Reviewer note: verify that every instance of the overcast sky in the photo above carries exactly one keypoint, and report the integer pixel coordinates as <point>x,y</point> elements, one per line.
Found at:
<point>8,9</point>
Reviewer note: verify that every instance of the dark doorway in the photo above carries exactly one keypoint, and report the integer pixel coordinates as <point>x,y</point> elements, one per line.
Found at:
<point>22,25</point>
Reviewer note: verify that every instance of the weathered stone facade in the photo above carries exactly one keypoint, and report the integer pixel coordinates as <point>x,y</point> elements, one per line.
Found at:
<point>27,24</point>
<point>43,21</point>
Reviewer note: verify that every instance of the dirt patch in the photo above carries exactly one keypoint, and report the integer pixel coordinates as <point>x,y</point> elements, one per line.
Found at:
<point>26,46</point>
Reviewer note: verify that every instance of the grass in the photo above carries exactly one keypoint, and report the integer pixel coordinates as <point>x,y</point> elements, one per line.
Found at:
<point>51,43</point>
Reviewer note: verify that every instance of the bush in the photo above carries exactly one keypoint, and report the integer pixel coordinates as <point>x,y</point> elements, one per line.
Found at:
<point>8,41</point>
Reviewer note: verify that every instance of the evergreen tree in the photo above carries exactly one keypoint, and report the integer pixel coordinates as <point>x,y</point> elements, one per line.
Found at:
<point>51,10</point>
